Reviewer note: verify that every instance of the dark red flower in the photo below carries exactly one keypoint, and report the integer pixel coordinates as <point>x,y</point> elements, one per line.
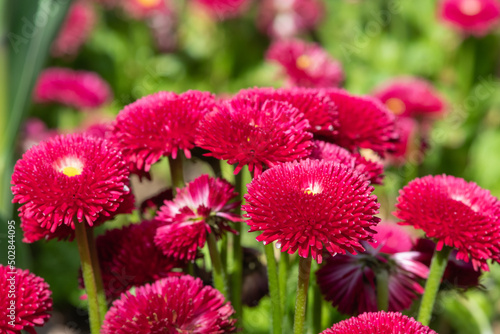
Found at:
<point>171,305</point>
<point>455,213</point>
<point>379,323</point>
<point>25,301</point>
<point>474,17</point>
<point>255,134</point>
<point>311,206</point>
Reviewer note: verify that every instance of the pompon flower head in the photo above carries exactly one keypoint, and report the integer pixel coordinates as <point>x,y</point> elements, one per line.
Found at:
<point>311,206</point>
<point>33,303</point>
<point>171,305</point>
<point>70,178</point>
<point>223,9</point>
<point>472,17</point>
<point>313,103</point>
<point>379,323</point>
<point>306,64</point>
<point>349,281</point>
<point>159,125</point>
<point>364,122</point>
<point>75,30</point>
<point>373,170</point>
<point>286,19</point>
<point>255,134</point>
<point>455,213</point>
<point>411,97</point>
<point>203,206</point>
<point>77,89</point>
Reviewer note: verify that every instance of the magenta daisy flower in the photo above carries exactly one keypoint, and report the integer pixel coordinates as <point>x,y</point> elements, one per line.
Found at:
<point>25,301</point>
<point>311,206</point>
<point>204,206</point>
<point>223,9</point>
<point>349,281</point>
<point>76,89</point>
<point>455,213</point>
<point>380,323</point>
<point>255,134</point>
<point>364,122</point>
<point>159,125</point>
<point>171,305</point>
<point>373,170</point>
<point>68,179</point>
<point>306,64</point>
<point>474,17</point>
<point>411,97</point>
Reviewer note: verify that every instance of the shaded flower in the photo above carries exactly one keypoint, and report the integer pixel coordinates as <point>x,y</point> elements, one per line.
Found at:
<point>189,308</point>
<point>159,125</point>
<point>255,134</point>
<point>407,130</point>
<point>224,9</point>
<point>311,206</point>
<point>455,213</point>
<point>203,206</point>
<point>33,132</point>
<point>306,64</point>
<point>380,323</point>
<point>68,179</point>
<point>474,17</point>
<point>31,297</point>
<point>76,89</point>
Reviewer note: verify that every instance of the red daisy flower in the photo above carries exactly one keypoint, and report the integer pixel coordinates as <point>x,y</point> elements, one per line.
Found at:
<point>306,64</point>
<point>76,89</point>
<point>474,17</point>
<point>75,30</point>
<point>224,9</point>
<point>364,122</point>
<point>203,206</point>
<point>25,301</point>
<point>67,178</point>
<point>255,134</point>
<point>410,97</point>
<point>373,170</point>
<point>313,103</point>
<point>285,19</point>
<point>456,213</point>
<point>159,125</point>
<point>349,281</point>
<point>310,206</point>
<point>171,305</point>
<point>380,323</point>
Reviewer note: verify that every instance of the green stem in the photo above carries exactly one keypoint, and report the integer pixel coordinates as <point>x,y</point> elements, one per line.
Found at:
<point>317,310</point>
<point>89,278</point>
<point>272,274</point>
<point>438,265</point>
<point>284,266</point>
<point>101,294</point>
<point>176,172</point>
<point>224,243</point>
<point>218,273</point>
<point>301,299</point>
<point>382,279</point>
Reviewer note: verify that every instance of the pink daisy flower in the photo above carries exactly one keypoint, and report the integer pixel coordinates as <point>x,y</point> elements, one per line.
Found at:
<point>68,179</point>
<point>472,17</point>
<point>455,213</point>
<point>159,125</point>
<point>25,301</point>
<point>76,89</point>
<point>223,9</point>
<point>311,206</point>
<point>189,308</point>
<point>255,134</point>
<point>285,19</point>
<point>306,64</point>
<point>349,281</point>
<point>380,323</point>
<point>203,206</point>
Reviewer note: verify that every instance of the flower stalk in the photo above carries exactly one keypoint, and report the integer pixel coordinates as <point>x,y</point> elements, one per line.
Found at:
<point>219,275</point>
<point>302,288</point>
<point>274,290</point>
<point>176,172</point>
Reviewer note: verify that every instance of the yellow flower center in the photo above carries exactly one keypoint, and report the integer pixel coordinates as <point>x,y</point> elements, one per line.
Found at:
<point>69,166</point>
<point>149,3</point>
<point>71,171</point>
<point>470,7</point>
<point>395,105</point>
<point>313,189</point>
<point>304,62</point>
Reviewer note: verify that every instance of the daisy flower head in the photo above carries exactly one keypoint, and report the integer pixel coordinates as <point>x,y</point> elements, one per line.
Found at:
<point>472,17</point>
<point>189,308</point>
<point>159,125</point>
<point>306,64</point>
<point>68,179</point>
<point>311,206</point>
<point>455,213</point>
<point>204,206</point>
<point>26,301</point>
<point>256,134</point>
